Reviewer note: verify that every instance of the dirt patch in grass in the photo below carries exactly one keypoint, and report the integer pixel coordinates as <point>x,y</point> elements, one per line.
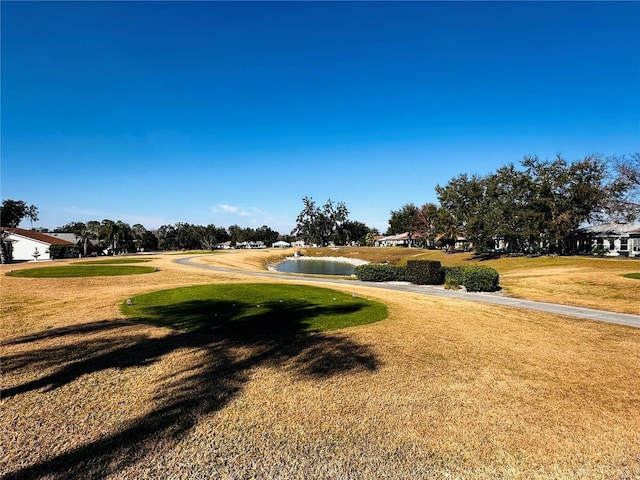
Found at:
<point>440,389</point>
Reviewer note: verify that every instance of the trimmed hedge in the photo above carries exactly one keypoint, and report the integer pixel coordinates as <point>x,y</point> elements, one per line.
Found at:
<point>478,278</point>
<point>454,274</point>
<point>425,272</point>
<point>451,283</point>
<point>380,272</point>
<point>475,278</point>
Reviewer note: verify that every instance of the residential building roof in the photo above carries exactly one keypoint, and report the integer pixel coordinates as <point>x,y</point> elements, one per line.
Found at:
<point>40,237</point>
<point>612,228</point>
<point>69,237</point>
<point>400,236</point>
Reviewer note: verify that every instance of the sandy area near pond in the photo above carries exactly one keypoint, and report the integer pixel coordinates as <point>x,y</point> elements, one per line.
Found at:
<point>440,389</point>
<point>350,261</point>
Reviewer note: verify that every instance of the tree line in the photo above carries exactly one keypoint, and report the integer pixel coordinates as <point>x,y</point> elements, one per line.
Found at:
<point>116,237</point>
<point>185,236</point>
<point>533,207</point>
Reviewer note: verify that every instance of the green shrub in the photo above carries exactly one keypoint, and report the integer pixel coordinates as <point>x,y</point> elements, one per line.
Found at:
<point>454,274</point>
<point>425,272</point>
<point>451,283</point>
<point>379,272</point>
<point>478,278</point>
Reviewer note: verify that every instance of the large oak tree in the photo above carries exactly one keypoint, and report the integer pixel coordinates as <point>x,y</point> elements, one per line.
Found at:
<point>318,225</point>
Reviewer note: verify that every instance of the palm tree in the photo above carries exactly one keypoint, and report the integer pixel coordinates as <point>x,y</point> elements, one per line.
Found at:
<point>108,234</point>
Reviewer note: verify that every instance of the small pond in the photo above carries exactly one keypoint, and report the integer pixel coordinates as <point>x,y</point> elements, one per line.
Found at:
<point>318,266</point>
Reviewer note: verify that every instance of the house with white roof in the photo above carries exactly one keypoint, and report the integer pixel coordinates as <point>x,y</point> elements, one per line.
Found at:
<point>281,244</point>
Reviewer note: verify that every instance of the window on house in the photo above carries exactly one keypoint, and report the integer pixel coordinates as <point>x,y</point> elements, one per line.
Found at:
<point>624,244</point>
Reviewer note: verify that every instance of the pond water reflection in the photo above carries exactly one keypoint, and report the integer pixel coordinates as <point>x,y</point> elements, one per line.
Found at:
<point>318,266</point>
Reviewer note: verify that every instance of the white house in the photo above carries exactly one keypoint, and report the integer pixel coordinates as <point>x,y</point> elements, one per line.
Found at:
<point>612,239</point>
<point>27,245</point>
<point>281,244</point>
<point>251,245</point>
<point>400,240</point>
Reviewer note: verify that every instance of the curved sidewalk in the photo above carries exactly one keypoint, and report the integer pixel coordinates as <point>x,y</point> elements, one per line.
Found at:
<point>578,312</point>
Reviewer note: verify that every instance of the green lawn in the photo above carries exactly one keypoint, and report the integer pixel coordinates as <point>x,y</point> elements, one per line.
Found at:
<point>633,275</point>
<point>116,261</point>
<point>254,308</point>
<point>80,271</point>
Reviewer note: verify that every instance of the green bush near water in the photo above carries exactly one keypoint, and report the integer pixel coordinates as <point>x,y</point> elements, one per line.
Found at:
<point>380,272</point>
<point>425,272</point>
<point>475,278</point>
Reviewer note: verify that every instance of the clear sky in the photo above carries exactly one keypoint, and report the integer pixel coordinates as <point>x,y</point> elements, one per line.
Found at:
<point>231,112</point>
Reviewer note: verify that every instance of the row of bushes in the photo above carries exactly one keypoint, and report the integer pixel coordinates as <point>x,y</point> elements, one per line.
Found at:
<point>380,272</point>
<point>475,278</point>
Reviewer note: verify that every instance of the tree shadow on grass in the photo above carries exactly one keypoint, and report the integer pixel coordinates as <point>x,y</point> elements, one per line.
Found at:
<point>485,256</point>
<point>233,318</point>
<point>228,350</point>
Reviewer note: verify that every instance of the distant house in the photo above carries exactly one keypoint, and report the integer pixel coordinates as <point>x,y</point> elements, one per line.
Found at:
<point>400,240</point>
<point>281,244</point>
<point>251,245</point>
<point>611,239</point>
<point>25,245</point>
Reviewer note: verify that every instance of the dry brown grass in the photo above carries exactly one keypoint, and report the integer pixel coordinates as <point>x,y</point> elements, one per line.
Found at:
<point>441,389</point>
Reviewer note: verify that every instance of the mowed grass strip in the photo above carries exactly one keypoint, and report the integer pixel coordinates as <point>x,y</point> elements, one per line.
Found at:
<point>116,261</point>
<point>633,275</point>
<point>69,271</point>
<point>254,308</point>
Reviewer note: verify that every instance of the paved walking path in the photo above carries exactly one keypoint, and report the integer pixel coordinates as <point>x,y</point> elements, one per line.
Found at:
<point>495,298</point>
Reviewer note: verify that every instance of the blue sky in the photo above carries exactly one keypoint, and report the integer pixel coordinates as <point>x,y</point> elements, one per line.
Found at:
<point>232,112</point>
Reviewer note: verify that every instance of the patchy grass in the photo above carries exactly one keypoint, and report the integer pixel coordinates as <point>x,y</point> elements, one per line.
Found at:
<point>632,275</point>
<point>441,389</point>
<point>254,308</point>
<point>68,271</point>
